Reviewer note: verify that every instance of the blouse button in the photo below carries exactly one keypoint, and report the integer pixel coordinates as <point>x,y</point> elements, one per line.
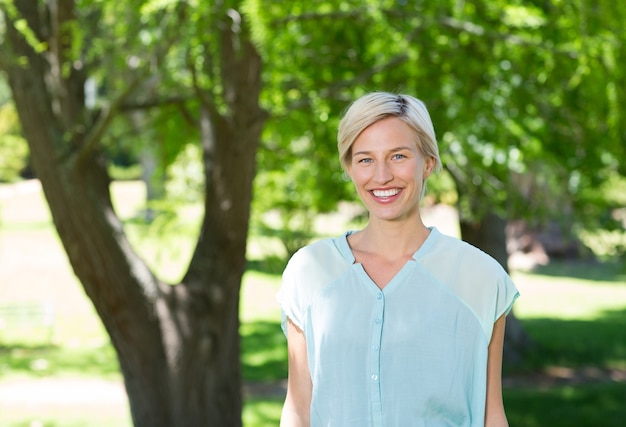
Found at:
<point>379,321</point>
<point>379,296</point>
<point>374,377</point>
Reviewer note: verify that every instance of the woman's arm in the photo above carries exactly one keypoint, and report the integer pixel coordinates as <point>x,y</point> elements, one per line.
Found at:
<point>494,410</point>
<point>297,407</point>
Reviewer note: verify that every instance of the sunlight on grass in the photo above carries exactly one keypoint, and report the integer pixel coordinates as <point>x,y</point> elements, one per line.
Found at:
<point>262,413</point>
<point>575,312</point>
<point>39,361</point>
<point>575,321</point>
<point>566,297</point>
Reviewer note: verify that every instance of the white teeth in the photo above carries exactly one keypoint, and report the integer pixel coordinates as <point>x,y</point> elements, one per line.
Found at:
<point>386,193</point>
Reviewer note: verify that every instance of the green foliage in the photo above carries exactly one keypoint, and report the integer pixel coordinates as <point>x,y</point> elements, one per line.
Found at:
<point>604,207</point>
<point>121,173</point>
<point>608,244</point>
<point>291,190</point>
<point>163,231</point>
<point>525,97</point>
<point>13,147</point>
<point>185,181</point>
<point>520,94</point>
<point>440,188</point>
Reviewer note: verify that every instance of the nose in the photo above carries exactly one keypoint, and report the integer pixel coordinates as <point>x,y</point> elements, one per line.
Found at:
<point>382,174</point>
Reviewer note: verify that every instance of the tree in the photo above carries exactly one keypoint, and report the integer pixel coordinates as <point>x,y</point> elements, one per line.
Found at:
<point>507,85</point>
<point>177,345</point>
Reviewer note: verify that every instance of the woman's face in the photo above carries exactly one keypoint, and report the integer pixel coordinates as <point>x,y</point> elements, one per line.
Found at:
<point>388,170</point>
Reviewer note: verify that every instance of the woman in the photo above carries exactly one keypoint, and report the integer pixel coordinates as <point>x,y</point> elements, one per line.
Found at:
<point>396,324</point>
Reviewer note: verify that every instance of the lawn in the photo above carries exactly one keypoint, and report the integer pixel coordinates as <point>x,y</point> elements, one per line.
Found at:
<point>575,374</point>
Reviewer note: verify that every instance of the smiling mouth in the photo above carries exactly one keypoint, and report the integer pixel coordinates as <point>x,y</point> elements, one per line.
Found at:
<point>386,193</point>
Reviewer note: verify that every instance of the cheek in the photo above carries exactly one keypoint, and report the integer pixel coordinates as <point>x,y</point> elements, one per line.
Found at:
<point>355,175</point>
<point>359,183</point>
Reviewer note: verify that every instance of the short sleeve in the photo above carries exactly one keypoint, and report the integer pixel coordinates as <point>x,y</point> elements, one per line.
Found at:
<point>290,300</point>
<point>507,293</point>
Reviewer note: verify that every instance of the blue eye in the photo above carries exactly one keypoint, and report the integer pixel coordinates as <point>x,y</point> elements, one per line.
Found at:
<point>366,160</point>
<point>398,156</point>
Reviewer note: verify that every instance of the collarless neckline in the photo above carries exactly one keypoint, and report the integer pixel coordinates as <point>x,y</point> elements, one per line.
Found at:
<point>348,255</point>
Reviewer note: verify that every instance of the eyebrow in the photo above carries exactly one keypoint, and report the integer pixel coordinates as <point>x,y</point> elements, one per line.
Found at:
<point>393,150</point>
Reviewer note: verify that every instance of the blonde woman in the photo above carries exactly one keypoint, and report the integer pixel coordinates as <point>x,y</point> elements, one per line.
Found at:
<point>395,324</point>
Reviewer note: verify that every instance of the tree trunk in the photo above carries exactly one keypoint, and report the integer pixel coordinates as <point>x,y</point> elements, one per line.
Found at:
<point>177,346</point>
<point>488,234</point>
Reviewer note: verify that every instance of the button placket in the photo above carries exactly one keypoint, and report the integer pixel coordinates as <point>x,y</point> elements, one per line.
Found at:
<point>377,327</point>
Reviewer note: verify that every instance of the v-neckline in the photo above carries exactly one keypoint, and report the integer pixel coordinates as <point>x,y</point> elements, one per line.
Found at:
<point>395,281</point>
<point>346,252</point>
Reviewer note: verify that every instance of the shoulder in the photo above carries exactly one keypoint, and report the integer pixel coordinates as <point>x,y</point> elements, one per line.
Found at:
<point>308,271</point>
<point>317,265</point>
<point>464,257</point>
<point>316,256</point>
<point>473,276</point>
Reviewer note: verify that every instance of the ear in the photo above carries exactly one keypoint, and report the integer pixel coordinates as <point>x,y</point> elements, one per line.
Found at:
<point>347,172</point>
<point>429,165</point>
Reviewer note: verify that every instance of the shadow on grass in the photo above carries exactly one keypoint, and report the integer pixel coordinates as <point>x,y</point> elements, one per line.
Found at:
<point>587,270</point>
<point>264,356</point>
<point>263,351</point>
<point>578,343</point>
<point>580,406</point>
<point>269,265</point>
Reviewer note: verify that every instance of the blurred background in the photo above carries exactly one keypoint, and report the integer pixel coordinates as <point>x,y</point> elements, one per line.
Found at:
<point>527,99</point>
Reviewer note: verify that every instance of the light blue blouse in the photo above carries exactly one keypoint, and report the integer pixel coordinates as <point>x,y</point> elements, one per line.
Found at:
<point>413,354</point>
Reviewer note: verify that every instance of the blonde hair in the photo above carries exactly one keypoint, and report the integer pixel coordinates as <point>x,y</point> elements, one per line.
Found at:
<point>376,106</point>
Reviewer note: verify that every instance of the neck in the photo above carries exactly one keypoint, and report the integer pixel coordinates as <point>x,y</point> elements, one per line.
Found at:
<point>393,239</point>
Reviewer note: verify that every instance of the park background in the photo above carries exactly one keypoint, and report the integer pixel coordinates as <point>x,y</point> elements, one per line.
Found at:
<point>527,100</point>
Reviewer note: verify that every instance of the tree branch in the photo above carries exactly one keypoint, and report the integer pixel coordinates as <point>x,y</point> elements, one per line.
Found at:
<point>480,31</point>
<point>314,16</point>
<point>448,21</point>
<point>178,101</point>
<point>108,113</point>
<point>154,102</point>
<point>106,117</point>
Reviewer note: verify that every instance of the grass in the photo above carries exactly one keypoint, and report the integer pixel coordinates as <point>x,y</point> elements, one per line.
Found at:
<point>577,317</point>
<point>568,406</point>
<point>263,355</point>
<point>262,412</point>
<point>58,360</point>
<point>574,312</point>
